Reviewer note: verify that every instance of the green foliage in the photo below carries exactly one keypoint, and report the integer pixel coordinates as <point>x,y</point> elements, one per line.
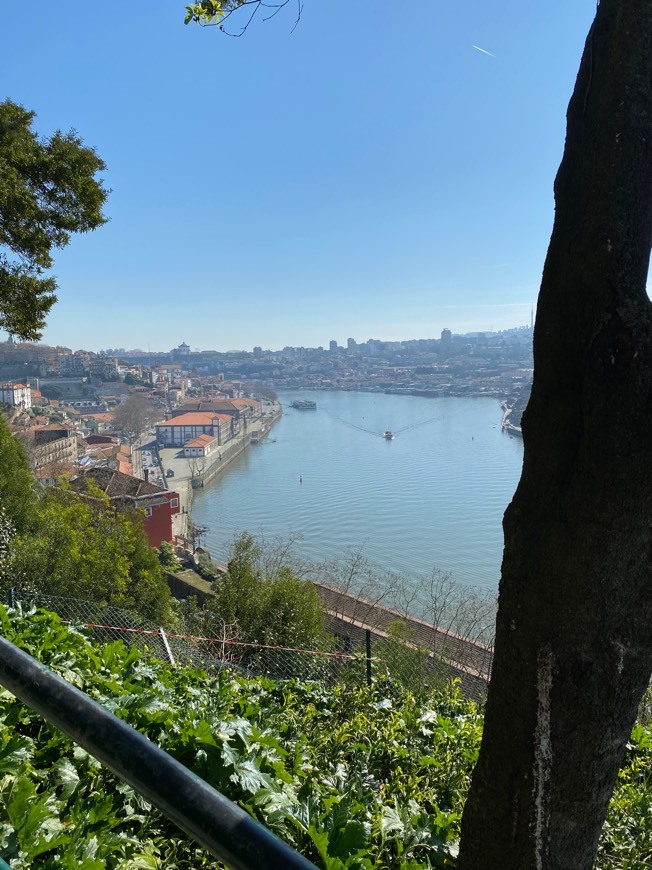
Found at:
<point>404,662</point>
<point>48,191</point>
<point>82,547</point>
<point>206,12</point>
<point>132,380</point>
<point>626,842</point>
<point>167,557</point>
<point>18,494</point>
<point>51,391</point>
<point>349,778</point>
<point>206,568</point>
<point>272,609</point>
<point>267,393</point>
<point>353,778</point>
<point>645,707</point>
<point>7,532</point>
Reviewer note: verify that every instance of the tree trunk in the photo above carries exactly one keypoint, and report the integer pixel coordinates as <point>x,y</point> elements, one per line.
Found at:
<point>573,648</point>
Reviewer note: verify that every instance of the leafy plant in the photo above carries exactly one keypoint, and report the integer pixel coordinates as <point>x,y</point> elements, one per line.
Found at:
<point>167,557</point>
<point>354,778</point>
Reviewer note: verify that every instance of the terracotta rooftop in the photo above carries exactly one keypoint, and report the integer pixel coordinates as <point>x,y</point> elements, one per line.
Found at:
<point>200,441</point>
<point>209,405</point>
<point>245,403</point>
<point>115,483</point>
<point>196,418</point>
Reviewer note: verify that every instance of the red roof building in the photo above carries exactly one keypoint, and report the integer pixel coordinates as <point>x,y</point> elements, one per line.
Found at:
<point>176,431</point>
<point>158,505</point>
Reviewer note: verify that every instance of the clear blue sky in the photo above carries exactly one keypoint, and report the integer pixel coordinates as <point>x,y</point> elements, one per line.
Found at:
<point>370,174</point>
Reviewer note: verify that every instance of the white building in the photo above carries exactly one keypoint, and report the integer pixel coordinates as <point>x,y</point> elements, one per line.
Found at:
<point>16,395</point>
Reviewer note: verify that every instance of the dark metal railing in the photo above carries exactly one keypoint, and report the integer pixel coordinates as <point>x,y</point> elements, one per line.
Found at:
<point>217,824</point>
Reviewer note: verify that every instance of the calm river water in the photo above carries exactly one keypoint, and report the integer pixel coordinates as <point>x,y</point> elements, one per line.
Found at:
<point>434,496</point>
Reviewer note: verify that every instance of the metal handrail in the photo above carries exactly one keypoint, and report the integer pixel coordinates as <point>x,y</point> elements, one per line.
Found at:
<point>218,825</point>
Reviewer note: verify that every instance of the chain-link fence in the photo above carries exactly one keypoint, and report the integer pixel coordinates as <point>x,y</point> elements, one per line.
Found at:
<point>350,654</point>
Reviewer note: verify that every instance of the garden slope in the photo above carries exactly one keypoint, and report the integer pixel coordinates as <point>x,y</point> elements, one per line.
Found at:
<point>352,778</point>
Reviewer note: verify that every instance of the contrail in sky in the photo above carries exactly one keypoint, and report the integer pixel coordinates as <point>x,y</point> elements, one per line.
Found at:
<point>477,48</point>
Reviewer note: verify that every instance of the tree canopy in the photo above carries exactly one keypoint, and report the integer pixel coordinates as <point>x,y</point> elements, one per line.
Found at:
<point>48,191</point>
<point>135,415</point>
<point>84,548</point>
<point>18,494</point>
<point>268,606</point>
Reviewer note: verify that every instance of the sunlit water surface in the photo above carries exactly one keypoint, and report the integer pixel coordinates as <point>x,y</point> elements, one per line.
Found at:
<point>433,496</point>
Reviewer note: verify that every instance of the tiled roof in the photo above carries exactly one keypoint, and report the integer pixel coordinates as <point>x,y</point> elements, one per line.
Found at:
<point>195,418</point>
<point>200,441</point>
<point>115,483</point>
<point>101,417</point>
<point>206,406</point>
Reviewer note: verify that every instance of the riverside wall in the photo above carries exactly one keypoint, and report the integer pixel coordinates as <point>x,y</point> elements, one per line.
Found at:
<point>188,474</point>
<point>351,617</point>
<point>507,425</point>
<point>257,431</point>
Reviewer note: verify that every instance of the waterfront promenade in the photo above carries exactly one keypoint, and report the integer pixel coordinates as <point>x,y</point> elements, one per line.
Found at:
<point>202,470</point>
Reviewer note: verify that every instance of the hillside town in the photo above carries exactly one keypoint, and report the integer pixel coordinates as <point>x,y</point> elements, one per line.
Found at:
<point>144,446</point>
<point>493,363</point>
<point>147,428</point>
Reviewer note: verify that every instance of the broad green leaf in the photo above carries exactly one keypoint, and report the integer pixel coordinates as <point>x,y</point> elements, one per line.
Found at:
<point>391,821</point>
<point>66,774</point>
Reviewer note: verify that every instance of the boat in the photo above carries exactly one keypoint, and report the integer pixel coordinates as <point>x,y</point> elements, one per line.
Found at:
<point>389,436</point>
<point>304,405</point>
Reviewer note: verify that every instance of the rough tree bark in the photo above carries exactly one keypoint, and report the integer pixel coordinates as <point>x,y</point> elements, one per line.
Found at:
<point>573,648</point>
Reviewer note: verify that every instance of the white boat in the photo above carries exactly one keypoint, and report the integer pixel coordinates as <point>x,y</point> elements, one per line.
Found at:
<point>389,436</point>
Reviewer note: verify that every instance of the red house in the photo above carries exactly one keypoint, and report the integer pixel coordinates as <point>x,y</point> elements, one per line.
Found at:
<point>158,505</point>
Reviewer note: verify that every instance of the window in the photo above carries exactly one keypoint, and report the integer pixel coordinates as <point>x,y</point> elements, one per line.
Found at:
<point>148,512</point>
<point>174,502</point>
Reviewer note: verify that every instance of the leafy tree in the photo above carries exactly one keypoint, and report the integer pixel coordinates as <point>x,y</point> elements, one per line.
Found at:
<point>81,547</point>
<point>278,608</point>
<point>7,532</point>
<point>51,391</point>
<point>133,381</point>
<point>18,495</point>
<point>573,653</point>
<point>167,557</point>
<point>48,191</point>
<point>205,567</point>
<point>134,416</point>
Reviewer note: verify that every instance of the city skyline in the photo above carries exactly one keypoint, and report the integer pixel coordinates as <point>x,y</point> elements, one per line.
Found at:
<point>251,343</point>
<point>342,344</point>
<point>394,176</point>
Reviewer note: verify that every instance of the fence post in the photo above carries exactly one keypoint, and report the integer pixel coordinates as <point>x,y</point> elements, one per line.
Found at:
<point>166,644</point>
<point>367,635</point>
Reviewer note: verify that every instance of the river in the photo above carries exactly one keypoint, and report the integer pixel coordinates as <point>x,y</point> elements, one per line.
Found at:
<point>432,497</point>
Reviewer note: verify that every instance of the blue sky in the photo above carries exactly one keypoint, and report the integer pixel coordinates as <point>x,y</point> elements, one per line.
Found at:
<point>369,174</point>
